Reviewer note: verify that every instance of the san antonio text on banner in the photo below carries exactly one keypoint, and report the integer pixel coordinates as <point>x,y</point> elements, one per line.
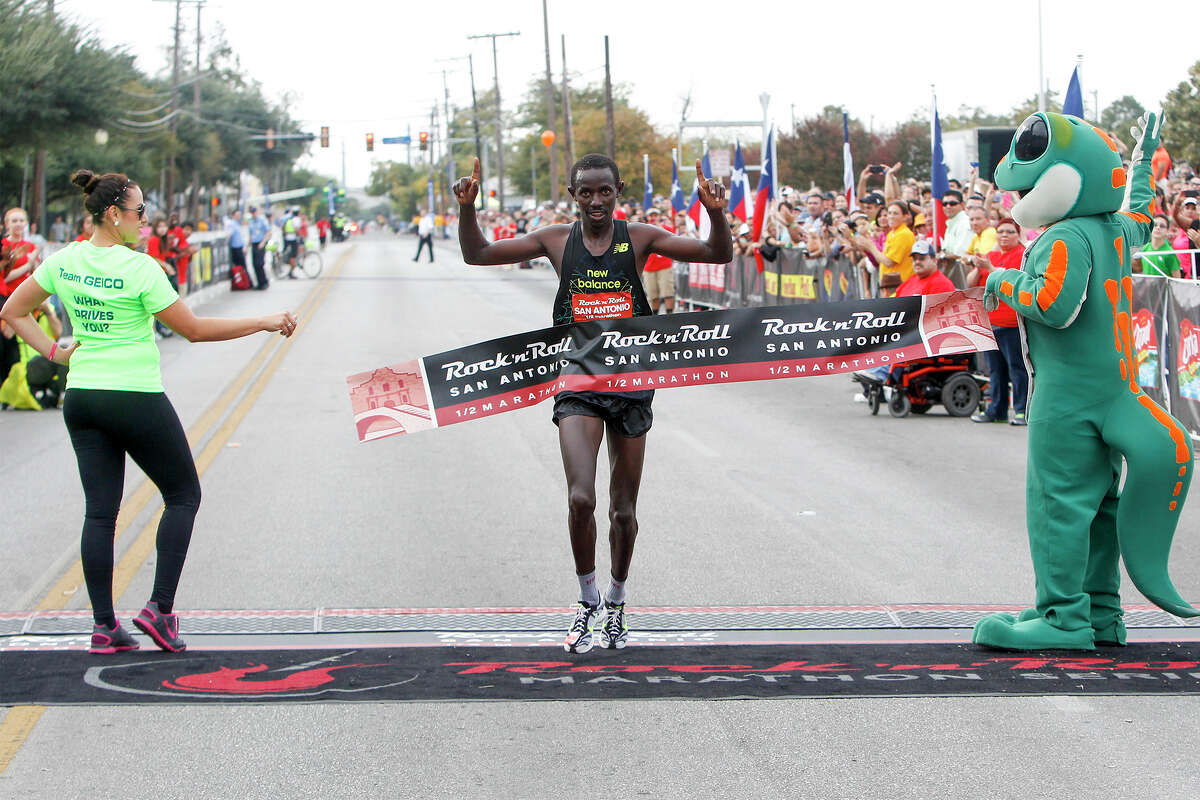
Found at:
<point>662,352</point>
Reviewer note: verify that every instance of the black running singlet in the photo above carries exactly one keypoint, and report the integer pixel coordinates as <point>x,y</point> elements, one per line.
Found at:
<point>605,287</point>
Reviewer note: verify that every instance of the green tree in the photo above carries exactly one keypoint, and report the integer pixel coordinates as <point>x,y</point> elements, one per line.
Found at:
<point>1120,115</point>
<point>1181,109</point>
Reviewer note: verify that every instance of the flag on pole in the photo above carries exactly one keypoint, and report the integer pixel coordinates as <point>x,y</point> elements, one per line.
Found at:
<point>848,166</point>
<point>676,190</point>
<point>764,193</point>
<point>940,182</point>
<point>739,187</point>
<point>695,210</point>
<point>648,198</point>
<point>1073,102</point>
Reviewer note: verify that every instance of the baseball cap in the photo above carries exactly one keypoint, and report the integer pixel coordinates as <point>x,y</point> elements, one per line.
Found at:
<point>920,219</point>
<point>1189,201</point>
<point>922,247</point>
<point>744,229</point>
<point>875,198</point>
<point>652,211</point>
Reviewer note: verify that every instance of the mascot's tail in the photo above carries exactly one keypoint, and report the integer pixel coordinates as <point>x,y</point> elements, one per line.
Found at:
<point>1146,563</point>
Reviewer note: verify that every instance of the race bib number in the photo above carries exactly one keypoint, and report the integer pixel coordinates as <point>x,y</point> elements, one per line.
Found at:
<point>609,305</point>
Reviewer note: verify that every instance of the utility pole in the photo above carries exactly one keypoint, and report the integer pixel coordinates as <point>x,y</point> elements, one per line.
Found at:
<point>170,198</point>
<point>568,126</point>
<point>609,136</point>
<point>195,193</point>
<point>499,117</point>
<point>550,110</point>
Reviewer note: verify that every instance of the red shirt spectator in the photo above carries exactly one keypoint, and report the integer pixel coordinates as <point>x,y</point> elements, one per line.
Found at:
<point>1004,316</point>
<point>926,277</point>
<point>16,254</point>
<point>655,262</point>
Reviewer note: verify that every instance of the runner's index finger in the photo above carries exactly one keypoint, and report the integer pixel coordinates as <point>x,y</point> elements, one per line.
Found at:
<point>699,171</point>
<point>475,170</point>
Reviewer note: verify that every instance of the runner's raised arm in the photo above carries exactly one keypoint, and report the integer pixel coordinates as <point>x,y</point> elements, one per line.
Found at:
<point>476,249</point>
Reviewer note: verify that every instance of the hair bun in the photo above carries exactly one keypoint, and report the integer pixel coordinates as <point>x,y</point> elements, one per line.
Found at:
<point>86,179</point>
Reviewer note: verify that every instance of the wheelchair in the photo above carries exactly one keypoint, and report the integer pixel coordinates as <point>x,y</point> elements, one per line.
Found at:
<point>924,383</point>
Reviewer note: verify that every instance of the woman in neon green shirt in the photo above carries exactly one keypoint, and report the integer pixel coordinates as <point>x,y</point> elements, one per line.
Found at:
<point>115,402</point>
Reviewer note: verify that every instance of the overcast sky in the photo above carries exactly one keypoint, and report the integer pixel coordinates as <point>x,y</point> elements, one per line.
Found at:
<point>372,65</point>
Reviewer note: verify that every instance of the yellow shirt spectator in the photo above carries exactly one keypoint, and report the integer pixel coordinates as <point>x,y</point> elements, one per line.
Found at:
<point>898,248</point>
<point>983,242</point>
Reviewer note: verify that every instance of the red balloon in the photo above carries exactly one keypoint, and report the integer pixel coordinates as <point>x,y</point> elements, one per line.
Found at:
<point>547,138</point>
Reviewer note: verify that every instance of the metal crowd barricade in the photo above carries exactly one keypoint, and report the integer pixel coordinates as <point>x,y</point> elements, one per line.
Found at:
<point>211,263</point>
<point>790,278</point>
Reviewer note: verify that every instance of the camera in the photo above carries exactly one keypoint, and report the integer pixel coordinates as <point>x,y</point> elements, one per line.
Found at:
<point>827,219</point>
<point>877,169</point>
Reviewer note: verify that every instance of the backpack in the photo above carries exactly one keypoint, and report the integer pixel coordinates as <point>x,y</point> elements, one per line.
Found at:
<point>239,278</point>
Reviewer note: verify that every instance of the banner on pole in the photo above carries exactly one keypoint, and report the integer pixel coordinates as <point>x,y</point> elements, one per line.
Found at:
<point>662,352</point>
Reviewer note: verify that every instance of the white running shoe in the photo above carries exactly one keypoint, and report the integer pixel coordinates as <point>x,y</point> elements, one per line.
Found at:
<point>579,635</point>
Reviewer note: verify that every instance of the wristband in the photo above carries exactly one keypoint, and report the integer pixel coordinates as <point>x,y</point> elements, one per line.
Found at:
<point>53,349</point>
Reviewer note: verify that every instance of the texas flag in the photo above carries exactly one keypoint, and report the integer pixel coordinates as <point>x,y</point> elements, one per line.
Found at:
<point>940,183</point>
<point>676,190</point>
<point>763,195</point>
<point>848,166</point>
<point>648,197</point>
<point>695,210</point>
<point>1073,102</point>
<point>739,187</point>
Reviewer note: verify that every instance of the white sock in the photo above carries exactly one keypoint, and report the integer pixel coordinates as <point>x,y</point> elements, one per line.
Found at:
<point>588,592</point>
<point>616,591</point>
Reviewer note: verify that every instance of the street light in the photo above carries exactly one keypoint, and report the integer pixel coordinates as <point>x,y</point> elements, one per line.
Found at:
<point>101,137</point>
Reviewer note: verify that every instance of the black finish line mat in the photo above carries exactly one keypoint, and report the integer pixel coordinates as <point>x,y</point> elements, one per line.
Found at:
<point>430,674</point>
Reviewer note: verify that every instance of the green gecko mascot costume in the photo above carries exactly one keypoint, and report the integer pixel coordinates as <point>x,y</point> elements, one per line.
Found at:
<point>1073,296</point>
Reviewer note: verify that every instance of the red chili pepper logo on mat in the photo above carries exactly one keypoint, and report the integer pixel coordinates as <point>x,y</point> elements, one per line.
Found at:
<point>228,680</point>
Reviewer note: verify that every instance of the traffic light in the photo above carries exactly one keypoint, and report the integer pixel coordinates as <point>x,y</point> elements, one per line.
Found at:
<point>423,136</point>
<point>324,136</point>
<point>270,138</point>
<point>370,142</point>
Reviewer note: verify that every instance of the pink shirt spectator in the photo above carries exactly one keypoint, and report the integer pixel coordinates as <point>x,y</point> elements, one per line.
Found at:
<point>1182,242</point>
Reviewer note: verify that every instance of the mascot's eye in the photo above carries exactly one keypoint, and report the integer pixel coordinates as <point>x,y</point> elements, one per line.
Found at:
<point>1032,139</point>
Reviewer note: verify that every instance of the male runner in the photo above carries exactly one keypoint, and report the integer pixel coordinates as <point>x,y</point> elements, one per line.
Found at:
<point>598,249</point>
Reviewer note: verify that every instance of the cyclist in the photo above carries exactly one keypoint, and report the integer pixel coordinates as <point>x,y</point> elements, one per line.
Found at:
<point>292,240</point>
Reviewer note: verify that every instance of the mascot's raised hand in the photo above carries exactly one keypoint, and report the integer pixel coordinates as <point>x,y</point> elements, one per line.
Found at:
<point>1073,297</point>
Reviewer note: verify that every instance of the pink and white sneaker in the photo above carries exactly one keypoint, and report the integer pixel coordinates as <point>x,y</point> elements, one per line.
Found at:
<point>162,628</point>
<point>106,641</point>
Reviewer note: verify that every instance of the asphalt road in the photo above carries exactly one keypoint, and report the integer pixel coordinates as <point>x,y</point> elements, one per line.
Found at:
<point>769,493</point>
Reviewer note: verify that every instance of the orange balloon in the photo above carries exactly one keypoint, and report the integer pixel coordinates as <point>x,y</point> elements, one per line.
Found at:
<point>547,138</point>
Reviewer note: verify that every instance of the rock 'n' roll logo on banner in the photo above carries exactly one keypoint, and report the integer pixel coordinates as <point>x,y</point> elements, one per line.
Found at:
<point>663,352</point>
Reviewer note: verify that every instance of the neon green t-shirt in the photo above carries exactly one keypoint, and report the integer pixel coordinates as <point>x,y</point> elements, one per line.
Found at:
<point>1165,265</point>
<point>111,295</point>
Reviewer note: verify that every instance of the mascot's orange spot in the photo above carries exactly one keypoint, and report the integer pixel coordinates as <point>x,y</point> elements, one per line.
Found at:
<point>1127,282</point>
<point>1183,447</point>
<point>1107,139</point>
<point>1182,471</point>
<point>1137,216</point>
<point>1153,183</point>
<point>1178,487</point>
<point>1056,273</point>
<point>1006,288</point>
<point>1025,298</point>
<point>1119,243</point>
<point>1174,505</point>
<point>1128,368</point>
<point>1113,291</point>
<point>1118,177</point>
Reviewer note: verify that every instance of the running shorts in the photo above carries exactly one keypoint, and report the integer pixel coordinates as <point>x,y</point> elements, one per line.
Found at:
<point>629,413</point>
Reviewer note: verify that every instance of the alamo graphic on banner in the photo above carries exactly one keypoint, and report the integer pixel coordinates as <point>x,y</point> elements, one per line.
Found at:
<point>663,352</point>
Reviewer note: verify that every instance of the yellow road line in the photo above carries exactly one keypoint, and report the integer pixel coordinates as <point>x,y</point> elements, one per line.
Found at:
<point>19,722</point>
<point>15,729</point>
<point>127,568</point>
<point>72,580</point>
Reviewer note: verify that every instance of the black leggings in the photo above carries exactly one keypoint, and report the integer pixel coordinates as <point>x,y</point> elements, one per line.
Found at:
<point>105,425</point>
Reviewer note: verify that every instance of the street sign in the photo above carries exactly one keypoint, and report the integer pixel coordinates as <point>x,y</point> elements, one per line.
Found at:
<point>396,139</point>
<point>719,158</point>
